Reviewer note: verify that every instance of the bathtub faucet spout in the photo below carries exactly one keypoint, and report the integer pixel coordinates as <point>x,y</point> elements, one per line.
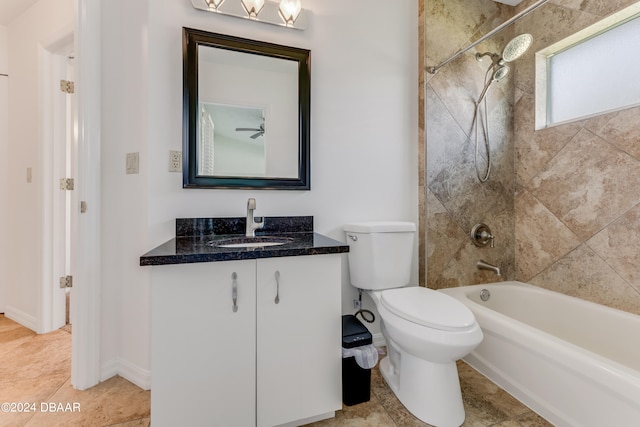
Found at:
<point>483,265</point>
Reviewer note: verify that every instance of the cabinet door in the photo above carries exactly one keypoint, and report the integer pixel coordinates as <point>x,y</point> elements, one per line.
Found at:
<point>299,338</point>
<point>203,353</point>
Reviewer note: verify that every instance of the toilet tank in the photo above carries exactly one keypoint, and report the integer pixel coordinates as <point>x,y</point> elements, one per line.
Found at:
<point>380,253</point>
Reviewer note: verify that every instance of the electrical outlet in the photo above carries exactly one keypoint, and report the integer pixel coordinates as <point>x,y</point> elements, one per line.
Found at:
<point>175,161</point>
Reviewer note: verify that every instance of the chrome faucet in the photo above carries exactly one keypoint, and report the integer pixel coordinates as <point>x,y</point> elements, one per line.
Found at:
<point>483,265</point>
<point>252,226</point>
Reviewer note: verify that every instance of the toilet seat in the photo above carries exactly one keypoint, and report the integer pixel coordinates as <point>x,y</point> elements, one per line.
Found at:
<point>428,308</point>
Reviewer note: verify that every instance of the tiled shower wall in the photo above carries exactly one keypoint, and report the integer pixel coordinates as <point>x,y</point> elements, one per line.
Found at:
<point>577,202</point>
<point>563,202</point>
<point>455,199</point>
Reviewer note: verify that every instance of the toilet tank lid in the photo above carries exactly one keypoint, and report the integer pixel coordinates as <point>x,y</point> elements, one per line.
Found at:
<point>380,227</point>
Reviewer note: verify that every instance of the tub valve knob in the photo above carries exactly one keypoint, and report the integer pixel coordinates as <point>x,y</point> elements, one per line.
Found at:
<point>481,235</point>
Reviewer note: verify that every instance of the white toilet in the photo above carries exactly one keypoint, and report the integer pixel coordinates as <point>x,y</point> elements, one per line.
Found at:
<point>426,331</point>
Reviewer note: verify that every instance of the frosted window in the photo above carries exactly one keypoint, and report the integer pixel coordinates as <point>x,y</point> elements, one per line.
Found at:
<point>590,73</point>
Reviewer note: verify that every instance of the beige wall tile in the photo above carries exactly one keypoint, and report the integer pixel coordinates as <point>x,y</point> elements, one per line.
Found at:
<point>583,274</point>
<point>619,246</point>
<point>541,238</point>
<point>443,39</point>
<point>535,148</point>
<point>444,239</point>
<point>588,184</point>
<point>622,130</point>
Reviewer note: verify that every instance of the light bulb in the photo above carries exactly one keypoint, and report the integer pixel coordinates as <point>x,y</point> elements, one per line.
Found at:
<point>214,4</point>
<point>289,11</point>
<point>252,7</point>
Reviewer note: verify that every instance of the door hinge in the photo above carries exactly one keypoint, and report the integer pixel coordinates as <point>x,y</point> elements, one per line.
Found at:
<point>66,184</point>
<point>66,282</point>
<point>66,86</point>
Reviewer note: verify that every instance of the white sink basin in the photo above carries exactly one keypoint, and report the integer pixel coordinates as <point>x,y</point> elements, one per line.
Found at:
<point>250,242</point>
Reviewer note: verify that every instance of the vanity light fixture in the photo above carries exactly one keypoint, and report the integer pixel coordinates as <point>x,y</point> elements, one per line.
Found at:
<point>285,13</point>
<point>289,11</point>
<point>252,7</point>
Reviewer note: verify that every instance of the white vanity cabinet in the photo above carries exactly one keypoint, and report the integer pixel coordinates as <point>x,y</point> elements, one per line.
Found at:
<point>268,363</point>
<point>299,355</point>
<point>203,353</point>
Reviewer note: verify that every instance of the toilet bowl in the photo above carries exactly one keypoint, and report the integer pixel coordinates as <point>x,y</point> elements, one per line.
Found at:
<point>421,366</point>
<point>426,331</point>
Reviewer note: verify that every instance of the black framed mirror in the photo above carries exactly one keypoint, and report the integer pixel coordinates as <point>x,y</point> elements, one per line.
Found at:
<point>246,108</point>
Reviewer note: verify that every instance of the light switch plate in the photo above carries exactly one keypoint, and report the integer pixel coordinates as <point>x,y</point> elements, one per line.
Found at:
<point>175,161</point>
<point>133,163</point>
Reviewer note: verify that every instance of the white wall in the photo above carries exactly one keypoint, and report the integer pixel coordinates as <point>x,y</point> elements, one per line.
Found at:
<point>39,26</point>
<point>363,140</point>
<point>4,162</point>
<point>125,296</point>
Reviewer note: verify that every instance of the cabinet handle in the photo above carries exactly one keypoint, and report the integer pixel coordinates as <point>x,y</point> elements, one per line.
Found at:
<point>234,291</point>
<point>277,300</point>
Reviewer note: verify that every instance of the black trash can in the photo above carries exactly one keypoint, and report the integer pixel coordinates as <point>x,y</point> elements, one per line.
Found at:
<point>356,381</point>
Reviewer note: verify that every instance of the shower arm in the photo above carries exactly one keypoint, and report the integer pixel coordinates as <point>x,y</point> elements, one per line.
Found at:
<point>434,69</point>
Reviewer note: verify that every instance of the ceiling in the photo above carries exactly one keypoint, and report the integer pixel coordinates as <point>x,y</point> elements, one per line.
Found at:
<point>10,9</point>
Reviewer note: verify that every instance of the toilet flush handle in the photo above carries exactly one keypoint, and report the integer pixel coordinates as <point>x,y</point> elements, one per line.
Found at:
<point>352,237</point>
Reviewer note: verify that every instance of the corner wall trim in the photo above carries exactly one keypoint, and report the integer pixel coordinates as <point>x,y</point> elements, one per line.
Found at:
<point>19,316</point>
<point>127,370</point>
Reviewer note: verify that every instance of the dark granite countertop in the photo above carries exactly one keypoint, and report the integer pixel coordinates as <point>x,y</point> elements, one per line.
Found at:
<point>197,238</point>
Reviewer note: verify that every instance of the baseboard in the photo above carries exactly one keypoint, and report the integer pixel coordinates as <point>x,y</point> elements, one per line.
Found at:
<point>309,420</point>
<point>378,340</point>
<point>128,371</point>
<point>21,317</point>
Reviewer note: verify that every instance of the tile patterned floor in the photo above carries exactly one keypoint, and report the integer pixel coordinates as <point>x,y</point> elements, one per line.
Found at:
<point>485,405</point>
<point>36,368</point>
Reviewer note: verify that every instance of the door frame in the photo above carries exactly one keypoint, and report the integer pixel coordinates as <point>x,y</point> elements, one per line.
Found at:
<point>86,265</point>
<point>51,101</point>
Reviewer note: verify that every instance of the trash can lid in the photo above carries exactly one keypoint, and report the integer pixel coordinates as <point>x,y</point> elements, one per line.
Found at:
<point>354,333</point>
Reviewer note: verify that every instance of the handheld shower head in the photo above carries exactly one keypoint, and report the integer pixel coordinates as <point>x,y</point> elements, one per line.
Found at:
<point>499,73</point>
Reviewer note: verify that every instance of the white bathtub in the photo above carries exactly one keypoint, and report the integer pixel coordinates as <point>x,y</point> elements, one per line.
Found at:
<point>574,362</point>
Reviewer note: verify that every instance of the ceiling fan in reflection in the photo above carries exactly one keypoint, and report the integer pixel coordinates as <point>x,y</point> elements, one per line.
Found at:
<point>258,131</point>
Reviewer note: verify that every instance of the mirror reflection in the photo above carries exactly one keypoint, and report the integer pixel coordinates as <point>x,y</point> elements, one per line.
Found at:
<point>247,106</point>
<point>255,84</point>
<point>232,141</point>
